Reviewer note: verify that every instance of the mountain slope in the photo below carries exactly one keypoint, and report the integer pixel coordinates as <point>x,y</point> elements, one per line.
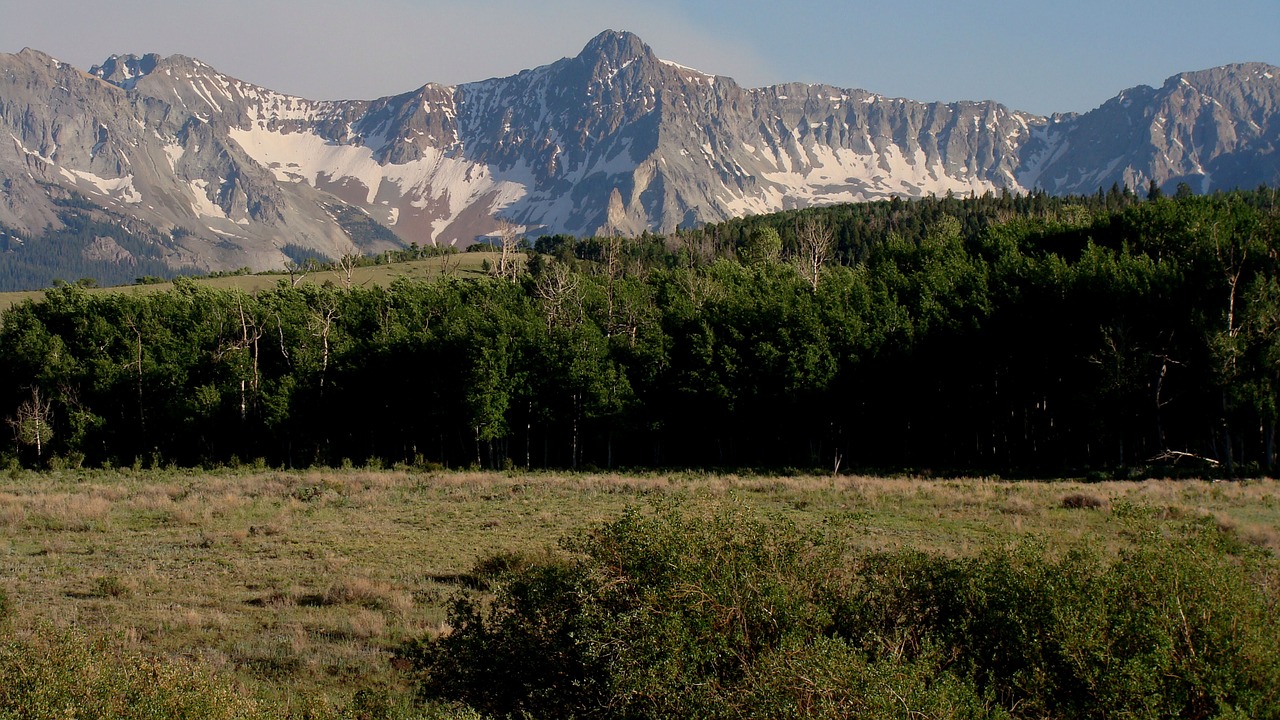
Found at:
<point>220,173</point>
<point>1213,129</point>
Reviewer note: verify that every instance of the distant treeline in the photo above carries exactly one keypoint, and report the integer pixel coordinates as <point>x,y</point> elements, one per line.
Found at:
<point>1019,334</point>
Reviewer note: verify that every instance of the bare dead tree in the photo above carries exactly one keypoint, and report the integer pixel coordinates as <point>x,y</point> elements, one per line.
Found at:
<point>629,319</point>
<point>297,271</point>
<point>251,333</point>
<point>613,270</point>
<point>32,425</point>
<point>137,364</point>
<point>695,245</point>
<point>284,350</point>
<point>321,324</point>
<point>449,260</point>
<point>346,266</point>
<point>508,239</point>
<point>558,289</point>
<point>815,244</point>
<point>1228,344</point>
<point>705,247</point>
<point>697,287</point>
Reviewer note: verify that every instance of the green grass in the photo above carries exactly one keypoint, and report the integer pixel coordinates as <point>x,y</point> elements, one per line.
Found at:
<point>461,264</point>
<point>299,584</point>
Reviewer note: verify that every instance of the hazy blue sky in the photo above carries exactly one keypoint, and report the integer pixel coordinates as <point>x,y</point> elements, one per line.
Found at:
<point>1036,56</point>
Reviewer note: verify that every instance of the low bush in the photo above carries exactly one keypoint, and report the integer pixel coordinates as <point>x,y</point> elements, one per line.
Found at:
<point>1082,501</point>
<point>645,616</point>
<point>110,586</point>
<point>62,673</point>
<point>1181,625</point>
<point>828,677</point>
<point>731,616</point>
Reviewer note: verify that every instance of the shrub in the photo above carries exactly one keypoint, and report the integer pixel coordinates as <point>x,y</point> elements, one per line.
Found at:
<point>1185,626</point>
<point>829,678</point>
<point>652,616</point>
<point>1082,501</point>
<point>110,586</point>
<point>65,674</point>
<point>525,654</point>
<point>1181,625</point>
<point>670,615</point>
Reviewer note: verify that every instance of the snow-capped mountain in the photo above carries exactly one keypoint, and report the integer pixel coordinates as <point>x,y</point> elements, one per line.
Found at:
<point>615,140</point>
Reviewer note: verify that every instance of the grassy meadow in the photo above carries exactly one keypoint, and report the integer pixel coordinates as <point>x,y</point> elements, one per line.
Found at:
<point>462,264</point>
<point>300,584</point>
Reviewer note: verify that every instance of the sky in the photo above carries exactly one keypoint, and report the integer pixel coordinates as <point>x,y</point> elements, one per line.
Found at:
<point>1035,56</point>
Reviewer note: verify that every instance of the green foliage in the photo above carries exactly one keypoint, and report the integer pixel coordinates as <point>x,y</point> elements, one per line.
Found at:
<point>653,616</point>
<point>827,677</point>
<point>762,247</point>
<point>62,673</point>
<point>672,615</point>
<point>1180,627</point>
<point>110,586</point>
<point>65,673</point>
<point>1015,335</point>
<point>303,257</point>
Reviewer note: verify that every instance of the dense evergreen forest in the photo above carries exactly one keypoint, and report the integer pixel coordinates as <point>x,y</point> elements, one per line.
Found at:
<point>1016,334</point>
<point>89,242</point>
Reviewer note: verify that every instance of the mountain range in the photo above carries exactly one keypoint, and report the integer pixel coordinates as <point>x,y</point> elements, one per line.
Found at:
<point>170,161</point>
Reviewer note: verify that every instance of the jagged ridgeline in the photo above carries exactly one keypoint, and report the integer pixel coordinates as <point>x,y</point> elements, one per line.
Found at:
<point>1013,334</point>
<point>612,141</point>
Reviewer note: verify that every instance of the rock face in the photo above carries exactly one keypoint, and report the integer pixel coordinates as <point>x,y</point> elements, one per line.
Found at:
<point>106,249</point>
<point>1213,129</point>
<point>614,140</point>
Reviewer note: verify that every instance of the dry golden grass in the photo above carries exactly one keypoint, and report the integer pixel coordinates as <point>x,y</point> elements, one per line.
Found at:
<point>309,578</point>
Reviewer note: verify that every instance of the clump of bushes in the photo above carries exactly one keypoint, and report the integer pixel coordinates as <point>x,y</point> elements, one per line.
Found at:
<point>667,614</point>
<point>63,673</point>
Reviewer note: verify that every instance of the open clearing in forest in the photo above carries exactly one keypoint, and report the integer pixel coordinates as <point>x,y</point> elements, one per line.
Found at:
<point>469,264</point>
<point>303,581</point>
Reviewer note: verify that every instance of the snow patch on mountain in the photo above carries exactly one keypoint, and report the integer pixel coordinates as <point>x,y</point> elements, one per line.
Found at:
<point>173,152</point>
<point>32,153</point>
<point>439,186</point>
<point>120,189</point>
<point>201,205</point>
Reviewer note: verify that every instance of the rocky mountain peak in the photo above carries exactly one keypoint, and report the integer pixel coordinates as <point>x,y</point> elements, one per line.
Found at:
<point>28,52</point>
<point>1236,72</point>
<point>616,46</point>
<point>35,61</point>
<point>125,70</point>
<point>611,51</point>
<point>1251,88</point>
